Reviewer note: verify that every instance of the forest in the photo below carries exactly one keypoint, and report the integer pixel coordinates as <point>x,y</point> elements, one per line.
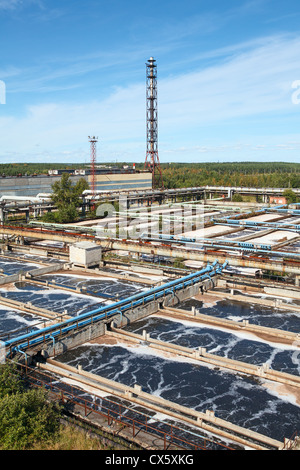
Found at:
<point>178,175</point>
<point>244,174</point>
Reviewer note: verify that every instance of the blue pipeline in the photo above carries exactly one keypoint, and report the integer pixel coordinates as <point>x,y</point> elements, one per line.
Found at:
<point>87,318</point>
<point>249,223</point>
<point>282,254</point>
<point>284,211</point>
<point>208,242</point>
<point>239,246</point>
<point>234,218</point>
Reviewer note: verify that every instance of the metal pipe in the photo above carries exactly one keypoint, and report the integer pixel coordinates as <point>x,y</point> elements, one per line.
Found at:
<point>22,352</point>
<point>123,305</point>
<point>239,246</point>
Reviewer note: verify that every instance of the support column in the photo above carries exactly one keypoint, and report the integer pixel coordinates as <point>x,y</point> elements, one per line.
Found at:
<point>27,216</point>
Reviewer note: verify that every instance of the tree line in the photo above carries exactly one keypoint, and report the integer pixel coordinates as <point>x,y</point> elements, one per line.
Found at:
<point>178,175</point>
<point>245,174</point>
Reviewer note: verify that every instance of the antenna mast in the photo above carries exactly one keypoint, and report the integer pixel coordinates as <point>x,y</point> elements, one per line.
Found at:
<point>93,142</point>
<point>152,160</point>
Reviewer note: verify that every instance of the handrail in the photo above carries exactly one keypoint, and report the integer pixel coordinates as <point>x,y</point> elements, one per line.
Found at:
<point>119,415</point>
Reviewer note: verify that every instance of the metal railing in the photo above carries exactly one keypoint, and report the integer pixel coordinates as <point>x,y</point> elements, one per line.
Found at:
<point>109,413</point>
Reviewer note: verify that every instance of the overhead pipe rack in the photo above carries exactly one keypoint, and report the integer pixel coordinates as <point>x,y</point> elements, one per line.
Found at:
<point>248,223</point>
<point>225,245</point>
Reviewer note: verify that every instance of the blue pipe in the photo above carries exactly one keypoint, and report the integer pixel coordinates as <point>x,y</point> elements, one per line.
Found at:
<point>289,211</point>
<point>22,352</point>
<point>257,250</point>
<point>208,242</point>
<point>275,225</point>
<point>53,339</point>
<point>102,312</point>
<point>247,247</point>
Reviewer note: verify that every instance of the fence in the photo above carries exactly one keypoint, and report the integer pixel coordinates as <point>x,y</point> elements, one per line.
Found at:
<point>106,411</point>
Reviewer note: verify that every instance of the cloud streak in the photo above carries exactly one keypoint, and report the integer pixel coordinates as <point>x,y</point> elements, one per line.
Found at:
<point>7,5</point>
<point>213,102</point>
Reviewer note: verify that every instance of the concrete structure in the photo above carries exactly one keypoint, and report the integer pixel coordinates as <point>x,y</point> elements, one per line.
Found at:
<point>137,186</point>
<point>229,191</point>
<point>58,337</point>
<point>135,181</point>
<point>85,254</point>
<point>22,276</point>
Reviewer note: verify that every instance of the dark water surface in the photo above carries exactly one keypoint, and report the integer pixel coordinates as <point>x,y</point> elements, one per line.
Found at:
<point>239,399</point>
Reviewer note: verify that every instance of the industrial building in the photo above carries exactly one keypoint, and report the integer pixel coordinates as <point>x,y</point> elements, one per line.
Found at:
<point>106,180</point>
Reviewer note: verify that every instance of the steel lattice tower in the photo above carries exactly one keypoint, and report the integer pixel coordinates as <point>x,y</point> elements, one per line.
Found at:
<point>152,160</point>
<point>93,142</point>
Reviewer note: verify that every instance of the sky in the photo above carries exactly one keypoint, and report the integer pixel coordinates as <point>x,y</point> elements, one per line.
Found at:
<point>228,79</point>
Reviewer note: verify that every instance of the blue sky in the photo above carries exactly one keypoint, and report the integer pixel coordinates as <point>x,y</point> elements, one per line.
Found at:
<point>226,71</point>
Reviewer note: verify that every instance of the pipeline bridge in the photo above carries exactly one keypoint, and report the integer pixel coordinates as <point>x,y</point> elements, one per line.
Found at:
<point>194,192</point>
<point>134,307</point>
<point>248,257</point>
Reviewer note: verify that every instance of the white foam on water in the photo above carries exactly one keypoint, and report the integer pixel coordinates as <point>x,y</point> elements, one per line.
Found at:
<point>241,335</point>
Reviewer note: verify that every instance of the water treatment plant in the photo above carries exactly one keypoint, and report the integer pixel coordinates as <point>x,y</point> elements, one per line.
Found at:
<point>171,322</point>
<point>168,318</point>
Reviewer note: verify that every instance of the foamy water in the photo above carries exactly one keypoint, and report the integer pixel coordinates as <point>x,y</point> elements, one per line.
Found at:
<point>245,401</point>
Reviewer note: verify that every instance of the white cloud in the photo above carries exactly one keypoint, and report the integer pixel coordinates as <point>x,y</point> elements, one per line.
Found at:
<point>14,4</point>
<point>255,82</point>
<point>9,4</point>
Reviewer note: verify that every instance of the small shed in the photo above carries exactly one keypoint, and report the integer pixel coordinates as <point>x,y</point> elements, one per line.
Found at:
<point>85,254</point>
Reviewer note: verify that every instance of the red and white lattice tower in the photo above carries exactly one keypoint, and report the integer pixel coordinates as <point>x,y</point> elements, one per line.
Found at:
<point>152,160</point>
<point>93,142</point>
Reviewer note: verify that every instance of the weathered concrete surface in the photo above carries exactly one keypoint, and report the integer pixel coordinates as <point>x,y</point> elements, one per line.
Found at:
<point>290,293</point>
<point>22,275</point>
<point>46,270</point>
